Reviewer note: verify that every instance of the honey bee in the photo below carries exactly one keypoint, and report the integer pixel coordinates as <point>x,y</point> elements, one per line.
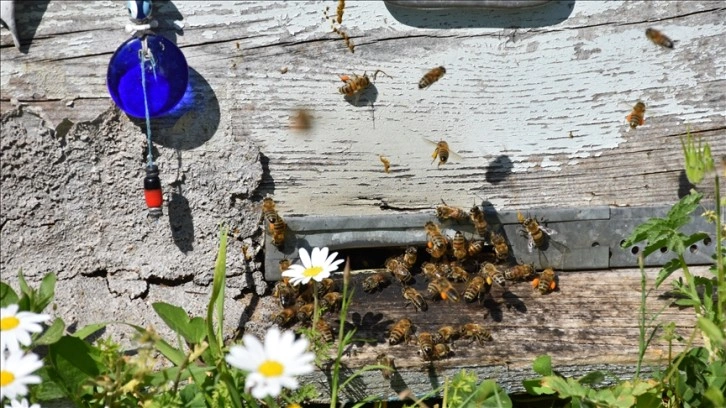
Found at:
<point>414,297</point>
<point>326,285</point>
<point>284,291</point>
<point>400,331</point>
<point>398,269</point>
<point>387,361</point>
<point>355,85</point>
<point>444,212</point>
<point>323,328</point>
<point>493,274</point>
<point>457,273</point>
<point>477,218</point>
<point>519,272</point>
<point>658,38</point>
<point>474,247</point>
<point>441,351</point>
<point>409,257</point>
<point>546,282</point>
<point>305,312</point>
<point>285,317</point>
<point>446,334</point>
<point>268,208</point>
<point>331,301</point>
<point>458,245</point>
<point>637,115</point>
<point>426,344</point>
<point>375,281</point>
<point>441,287</point>
<point>501,249</point>
<point>386,163</point>
<point>431,271</point>
<point>436,241</point>
<point>475,288</point>
<point>476,332</point>
<point>430,77</point>
<point>442,151</point>
<point>536,234</point>
<point>301,120</point>
<point>284,264</point>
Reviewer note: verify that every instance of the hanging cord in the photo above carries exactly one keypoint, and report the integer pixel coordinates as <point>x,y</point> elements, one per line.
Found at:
<point>144,56</point>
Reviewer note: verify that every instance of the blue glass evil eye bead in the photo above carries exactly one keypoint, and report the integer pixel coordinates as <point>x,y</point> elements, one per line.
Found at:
<point>139,10</point>
<point>166,75</point>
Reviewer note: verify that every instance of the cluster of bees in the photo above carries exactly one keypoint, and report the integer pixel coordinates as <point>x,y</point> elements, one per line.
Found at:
<point>475,265</point>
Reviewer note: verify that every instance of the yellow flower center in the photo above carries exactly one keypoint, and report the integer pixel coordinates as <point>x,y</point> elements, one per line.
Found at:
<point>6,378</point>
<point>9,323</point>
<point>271,368</point>
<point>312,271</point>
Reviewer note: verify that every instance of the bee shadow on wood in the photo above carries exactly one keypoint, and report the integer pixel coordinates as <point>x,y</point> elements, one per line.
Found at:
<point>366,98</point>
<point>498,169</point>
<point>548,14</point>
<point>370,326</point>
<point>356,389</point>
<point>684,186</point>
<point>180,213</point>
<point>512,301</point>
<point>30,13</point>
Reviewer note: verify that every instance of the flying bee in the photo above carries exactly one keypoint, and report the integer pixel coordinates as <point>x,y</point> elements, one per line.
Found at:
<point>445,212</point>
<point>475,288</point>
<point>474,247</point>
<point>305,312</point>
<point>323,328</point>
<point>658,38</point>
<point>637,115</point>
<point>446,334</point>
<point>458,245</point>
<point>398,269</point>
<point>410,256</point>
<point>442,151</point>
<point>431,271</point>
<point>436,241</point>
<point>536,234</point>
<point>301,120</point>
<point>546,282</point>
<point>426,344</point>
<point>477,218</point>
<point>400,331</point>
<point>476,332</point>
<point>414,297</point>
<point>457,273</point>
<point>284,264</point>
<point>355,85</point>
<point>501,248</point>
<point>375,281</point>
<point>285,317</point>
<point>519,272</point>
<point>285,292</point>
<point>331,301</point>
<point>430,77</point>
<point>387,361</point>
<point>441,351</point>
<point>442,288</point>
<point>493,274</point>
<point>386,163</point>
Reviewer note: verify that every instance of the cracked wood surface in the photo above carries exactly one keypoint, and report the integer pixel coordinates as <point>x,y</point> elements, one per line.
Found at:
<point>537,113</point>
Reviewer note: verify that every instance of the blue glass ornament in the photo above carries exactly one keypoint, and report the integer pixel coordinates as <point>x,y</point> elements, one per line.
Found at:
<point>139,10</point>
<point>166,76</point>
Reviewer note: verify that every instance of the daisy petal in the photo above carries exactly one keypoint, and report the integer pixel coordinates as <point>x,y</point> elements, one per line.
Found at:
<point>305,258</point>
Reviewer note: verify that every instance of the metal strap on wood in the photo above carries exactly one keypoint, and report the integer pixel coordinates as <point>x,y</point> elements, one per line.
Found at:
<point>586,238</point>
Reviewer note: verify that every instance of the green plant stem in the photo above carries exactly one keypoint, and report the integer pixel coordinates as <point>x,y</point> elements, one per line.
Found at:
<point>336,365</point>
<point>721,292</point>
<point>316,308</point>
<point>641,317</point>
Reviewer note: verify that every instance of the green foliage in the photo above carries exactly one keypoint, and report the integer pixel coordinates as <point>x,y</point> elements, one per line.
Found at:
<point>698,158</point>
<point>463,392</point>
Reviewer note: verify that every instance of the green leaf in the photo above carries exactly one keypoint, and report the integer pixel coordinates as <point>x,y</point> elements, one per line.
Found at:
<point>487,394</point>
<point>88,330</point>
<point>592,378</point>
<point>542,365</point>
<point>176,356</point>
<point>178,320</point>
<point>72,362</point>
<point>46,291</point>
<point>216,300</point>
<point>667,270</point>
<point>52,334</point>
<point>683,208</point>
<point>7,295</point>
<point>642,231</point>
<point>687,302</point>
<point>713,332</point>
<point>47,390</point>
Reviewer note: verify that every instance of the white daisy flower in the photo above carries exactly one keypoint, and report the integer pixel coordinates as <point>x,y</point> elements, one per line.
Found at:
<point>15,370</point>
<point>274,365</point>
<point>318,268</point>
<point>23,403</point>
<point>16,327</point>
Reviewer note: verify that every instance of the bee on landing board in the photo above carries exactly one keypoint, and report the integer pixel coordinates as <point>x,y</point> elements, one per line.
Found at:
<point>446,334</point>
<point>637,115</point>
<point>276,224</point>
<point>413,297</point>
<point>397,268</point>
<point>442,151</point>
<point>475,332</point>
<point>457,273</point>
<point>519,272</point>
<point>373,282</point>
<point>430,77</point>
<point>658,38</point>
<point>305,312</point>
<point>285,292</point>
<point>474,247</point>
<point>409,257</point>
<point>437,243</point>
<point>445,212</point>
<point>441,351</point>
<point>493,274</point>
<point>477,218</point>
<point>325,331</point>
<point>386,361</point>
<point>355,85</point>
<point>501,249</point>
<point>425,342</point>
<point>546,282</point>
<point>400,331</point>
<point>458,246</point>
<point>443,289</point>
<point>536,233</point>
<point>285,317</point>
<point>475,288</point>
